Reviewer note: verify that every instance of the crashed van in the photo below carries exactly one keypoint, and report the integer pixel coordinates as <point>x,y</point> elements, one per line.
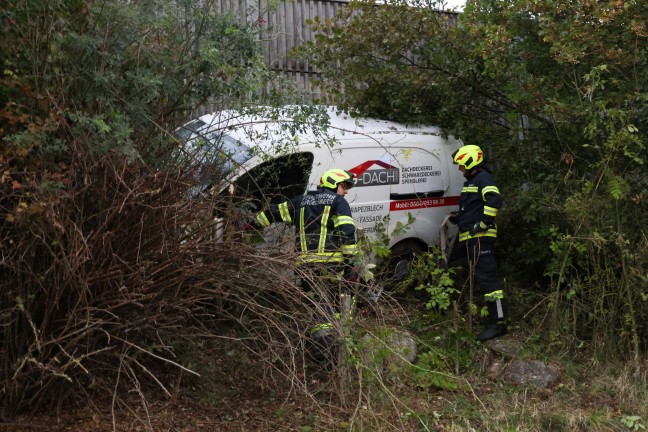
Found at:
<point>405,181</point>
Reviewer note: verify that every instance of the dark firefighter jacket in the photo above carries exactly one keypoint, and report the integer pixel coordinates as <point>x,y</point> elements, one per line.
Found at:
<point>479,202</point>
<point>323,221</point>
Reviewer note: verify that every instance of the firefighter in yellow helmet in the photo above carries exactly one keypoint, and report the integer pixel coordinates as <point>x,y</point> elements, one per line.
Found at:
<point>322,218</point>
<point>479,203</point>
<point>326,240</point>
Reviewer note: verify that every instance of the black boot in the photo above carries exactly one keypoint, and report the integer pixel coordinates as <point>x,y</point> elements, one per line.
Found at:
<point>492,331</point>
<point>496,326</point>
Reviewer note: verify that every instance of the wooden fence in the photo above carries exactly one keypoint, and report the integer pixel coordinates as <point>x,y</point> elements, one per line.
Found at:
<point>283,27</point>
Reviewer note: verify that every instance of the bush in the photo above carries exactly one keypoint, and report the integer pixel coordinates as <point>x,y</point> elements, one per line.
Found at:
<point>107,261</point>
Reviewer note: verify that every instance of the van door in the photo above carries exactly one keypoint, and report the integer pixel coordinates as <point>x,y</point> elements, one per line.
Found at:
<point>421,194</point>
<point>266,183</point>
<point>272,182</point>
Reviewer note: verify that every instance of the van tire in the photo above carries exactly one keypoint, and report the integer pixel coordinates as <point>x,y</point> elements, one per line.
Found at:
<point>402,255</point>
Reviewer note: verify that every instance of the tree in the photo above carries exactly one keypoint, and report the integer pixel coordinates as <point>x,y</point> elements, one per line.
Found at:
<point>555,91</point>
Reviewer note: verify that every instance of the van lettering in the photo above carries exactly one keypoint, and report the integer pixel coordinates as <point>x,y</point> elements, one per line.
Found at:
<point>423,203</point>
<point>378,177</point>
<point>367,219</point>
<point>367,208</point>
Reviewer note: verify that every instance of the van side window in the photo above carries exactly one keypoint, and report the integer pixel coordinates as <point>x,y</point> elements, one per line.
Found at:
<point>273,181</point>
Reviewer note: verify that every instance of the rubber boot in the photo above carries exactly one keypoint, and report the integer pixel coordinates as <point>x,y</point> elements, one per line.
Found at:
<point>496,326</point>
<point>492,331</point>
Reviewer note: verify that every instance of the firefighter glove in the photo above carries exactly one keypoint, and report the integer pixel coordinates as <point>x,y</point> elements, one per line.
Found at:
<point>247,227</point>
<point>478,227</point>
<point>454,217</point>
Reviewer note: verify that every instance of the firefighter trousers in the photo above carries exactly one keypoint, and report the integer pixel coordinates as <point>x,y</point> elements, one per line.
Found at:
<point>327,290</point>
<point>477,257</point>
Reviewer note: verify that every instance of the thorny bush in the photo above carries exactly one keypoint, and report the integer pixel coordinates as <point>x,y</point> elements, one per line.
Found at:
<point>106,260</point>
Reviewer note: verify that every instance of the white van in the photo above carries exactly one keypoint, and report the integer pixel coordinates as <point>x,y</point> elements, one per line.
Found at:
<point>404,174</point>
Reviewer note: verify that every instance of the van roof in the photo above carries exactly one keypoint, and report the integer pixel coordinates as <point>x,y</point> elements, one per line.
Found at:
<point>279,122</point>
<point>236,137</point>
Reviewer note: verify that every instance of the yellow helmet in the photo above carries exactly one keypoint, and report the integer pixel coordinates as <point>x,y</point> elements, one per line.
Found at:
<point>331,178</point>
<point>468,156</point>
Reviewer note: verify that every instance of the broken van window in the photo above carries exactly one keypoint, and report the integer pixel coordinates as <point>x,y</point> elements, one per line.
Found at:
<point>271,182</point>
<point>211,156</point>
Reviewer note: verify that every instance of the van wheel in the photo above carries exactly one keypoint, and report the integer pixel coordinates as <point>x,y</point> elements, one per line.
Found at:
<point>401,258</point>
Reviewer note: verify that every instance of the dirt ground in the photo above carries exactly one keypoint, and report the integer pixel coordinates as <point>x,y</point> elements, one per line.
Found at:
<point>227,397</point>
<point>245,402</point>
<point>231,406</point>
<point>237,392</point>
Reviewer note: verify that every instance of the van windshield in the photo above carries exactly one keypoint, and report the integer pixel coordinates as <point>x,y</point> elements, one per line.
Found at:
<point>217,148</point>
<point>212,155</point>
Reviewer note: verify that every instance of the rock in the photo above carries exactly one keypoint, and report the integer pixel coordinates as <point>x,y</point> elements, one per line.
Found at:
<point>404,344</point>
<point>388,347</point>
<point>534,372</point>
<point>494,369</point>
<point>503,362</point>
<point>505,346</point>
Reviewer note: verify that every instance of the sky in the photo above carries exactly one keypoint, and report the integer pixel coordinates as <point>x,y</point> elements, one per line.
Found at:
<point>455,4</point>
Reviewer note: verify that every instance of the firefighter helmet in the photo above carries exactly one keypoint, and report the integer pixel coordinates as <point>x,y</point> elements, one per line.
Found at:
<point>331,178</point>
<point>468,156</point>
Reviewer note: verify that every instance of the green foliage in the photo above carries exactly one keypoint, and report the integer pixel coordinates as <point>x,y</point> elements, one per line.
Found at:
<point>555,94</point>
<point>377,246</point>
<point>428,276</point>
<point>117,73</point>
<point>430,371</point>
<point>382,354</point>
<point>386,80</point>
<point>633,422</point>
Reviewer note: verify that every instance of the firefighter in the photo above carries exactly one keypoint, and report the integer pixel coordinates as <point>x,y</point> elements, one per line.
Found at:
<point>327,241</point>
<point>479,203</point>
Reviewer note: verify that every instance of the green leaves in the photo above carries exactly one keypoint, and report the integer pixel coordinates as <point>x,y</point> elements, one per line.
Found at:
<point>426,275</point>
<point>618,187</point>
<point>553,91</point>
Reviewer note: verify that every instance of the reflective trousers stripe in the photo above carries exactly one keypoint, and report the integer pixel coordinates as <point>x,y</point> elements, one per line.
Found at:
<point>285,213</point>
<point>500,309</point>
<point>492,232</point>
<point>302,232</point>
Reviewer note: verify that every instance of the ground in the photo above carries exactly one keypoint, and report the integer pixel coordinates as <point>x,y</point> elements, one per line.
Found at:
<point>238,393</point>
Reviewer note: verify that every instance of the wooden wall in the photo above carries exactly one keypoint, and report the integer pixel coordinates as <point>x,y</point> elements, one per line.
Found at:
<point>283,27</point>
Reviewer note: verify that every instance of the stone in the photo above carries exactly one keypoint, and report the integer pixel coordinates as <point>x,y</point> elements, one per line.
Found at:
<point>534,372</point>
<point>388,347</point>
<point>505,346</point>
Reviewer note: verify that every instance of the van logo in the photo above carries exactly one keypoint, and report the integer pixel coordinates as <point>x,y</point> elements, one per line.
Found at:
<point>387,175</point>
<point>378,177</point>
